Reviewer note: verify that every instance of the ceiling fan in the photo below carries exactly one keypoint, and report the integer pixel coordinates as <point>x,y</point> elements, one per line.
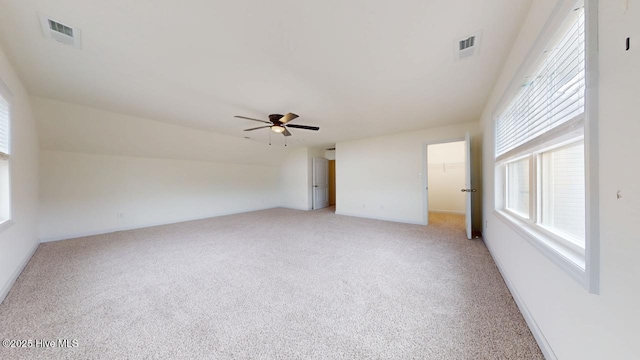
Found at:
<point>279,123</point>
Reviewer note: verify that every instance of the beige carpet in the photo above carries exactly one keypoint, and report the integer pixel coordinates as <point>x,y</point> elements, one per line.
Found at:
<point>273,284</point>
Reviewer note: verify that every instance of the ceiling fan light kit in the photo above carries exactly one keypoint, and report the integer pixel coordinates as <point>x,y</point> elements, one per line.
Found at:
<point>277,129</point>
<point>279,124</point>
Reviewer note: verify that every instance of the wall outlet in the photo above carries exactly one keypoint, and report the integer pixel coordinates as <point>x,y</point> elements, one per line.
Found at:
<point>120,215</point>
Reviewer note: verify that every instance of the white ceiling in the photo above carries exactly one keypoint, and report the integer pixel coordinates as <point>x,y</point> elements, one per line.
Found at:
<point>355,68</point>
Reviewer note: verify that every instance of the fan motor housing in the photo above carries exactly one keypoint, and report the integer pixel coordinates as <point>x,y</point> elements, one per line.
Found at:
<point>275,118</point>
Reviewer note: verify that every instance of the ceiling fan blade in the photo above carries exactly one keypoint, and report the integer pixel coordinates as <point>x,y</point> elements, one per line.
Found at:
<point>290,116</point>
<point>248,118</point>
<point>286,132</point>
<point>259,127</point>
<point>306,127</point>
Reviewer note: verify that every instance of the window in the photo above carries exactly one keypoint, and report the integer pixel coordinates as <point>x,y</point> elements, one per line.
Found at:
<point>518,187</point>
<point>540,149</point>
<point>5,198</point>
<point>563,192</point>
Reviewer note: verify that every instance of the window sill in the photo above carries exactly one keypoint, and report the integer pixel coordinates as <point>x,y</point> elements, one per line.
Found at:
<point>572,263</point>
<point>5,224</point>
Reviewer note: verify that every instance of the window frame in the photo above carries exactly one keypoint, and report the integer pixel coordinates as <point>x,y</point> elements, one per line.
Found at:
<point>584,269</point>
<point>535,194</point>
<point>7,95</point>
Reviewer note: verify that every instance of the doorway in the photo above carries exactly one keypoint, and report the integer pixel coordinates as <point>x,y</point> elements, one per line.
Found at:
<point>447,194</point>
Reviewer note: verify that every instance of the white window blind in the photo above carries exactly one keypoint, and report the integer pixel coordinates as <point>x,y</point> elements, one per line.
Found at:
<point>4,128</point>
<point>550,97</point>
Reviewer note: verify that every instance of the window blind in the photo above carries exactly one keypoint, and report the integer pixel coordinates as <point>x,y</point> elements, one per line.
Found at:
<point>552,96</point>
<point>4,128</point>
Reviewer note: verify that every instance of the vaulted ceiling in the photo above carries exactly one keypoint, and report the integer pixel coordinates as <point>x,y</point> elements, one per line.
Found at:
<point>355,68</point>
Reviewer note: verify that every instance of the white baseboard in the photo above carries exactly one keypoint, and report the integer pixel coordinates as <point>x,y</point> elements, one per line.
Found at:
<point>544,345</point>
<point>293,208</point>
<point>141,226</point>
<point>12,280</point>
<point>384,218</point>
<point>448,212</point>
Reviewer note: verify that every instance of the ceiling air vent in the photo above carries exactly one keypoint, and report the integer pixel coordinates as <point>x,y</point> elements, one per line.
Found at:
<point>56,30</point>
<point>468,46</point>
<point>464,44</point>
<point>59,28</point>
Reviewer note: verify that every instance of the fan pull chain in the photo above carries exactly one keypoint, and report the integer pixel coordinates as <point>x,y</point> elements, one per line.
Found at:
<point>269,138</point>
<point>285,141</point>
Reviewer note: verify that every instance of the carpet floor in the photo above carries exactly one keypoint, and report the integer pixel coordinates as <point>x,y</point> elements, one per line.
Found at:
<point>272,284</point>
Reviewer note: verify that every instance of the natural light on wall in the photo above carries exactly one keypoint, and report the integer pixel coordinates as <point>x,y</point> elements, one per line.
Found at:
<point>540,148</point>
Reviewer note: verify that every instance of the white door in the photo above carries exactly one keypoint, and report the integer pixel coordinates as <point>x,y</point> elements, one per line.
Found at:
<point>320,183</point>
<point>467,183</point>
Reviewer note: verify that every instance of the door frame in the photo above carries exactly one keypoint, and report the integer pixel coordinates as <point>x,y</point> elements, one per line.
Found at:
<point>425,173</point>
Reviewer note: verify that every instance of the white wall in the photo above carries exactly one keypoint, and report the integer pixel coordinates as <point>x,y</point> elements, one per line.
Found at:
<point>296,178</point>
<point>381,177</point>
<point>574,323</point>
<point>88,194</point>
<point>76,128</point>
<point>19,239</point>
<point>293,180</point>
<point>446,174</point>
<point>330,154</point>
<point>102,171</point>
